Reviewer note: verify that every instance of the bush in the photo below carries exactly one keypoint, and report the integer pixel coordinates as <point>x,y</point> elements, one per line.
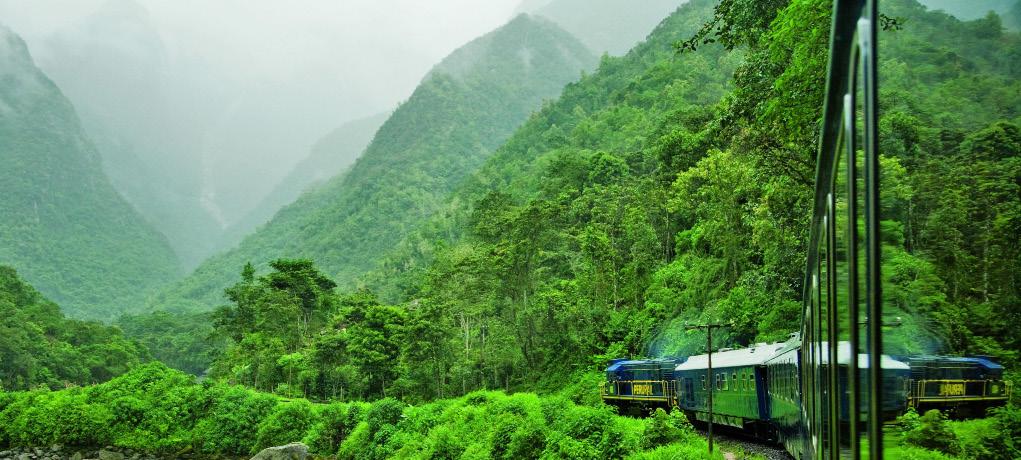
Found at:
<point>334,422</point>
<point>386,411</point>
<point>930,431</point>
<point>229,425</point>
<point>1005,437</point>
<point>358,445</point>
<point>289,422</point>
<point>65,418</point>
<point>661,430</point>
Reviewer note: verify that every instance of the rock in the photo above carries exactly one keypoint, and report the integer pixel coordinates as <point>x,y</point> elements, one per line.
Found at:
<point>56,448</point>
<point>76,456</point>
<point>24,457</point>
<point>292,451</point>
<point>110,455</point>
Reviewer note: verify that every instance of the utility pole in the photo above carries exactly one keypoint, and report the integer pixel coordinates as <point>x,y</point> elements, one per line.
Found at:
<point>709,370</point>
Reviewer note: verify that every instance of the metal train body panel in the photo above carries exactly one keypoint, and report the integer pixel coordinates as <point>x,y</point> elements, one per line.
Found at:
<point>964,385</point>
<point>783,374</point>
<point>647,382</point>
<point>738,381</point>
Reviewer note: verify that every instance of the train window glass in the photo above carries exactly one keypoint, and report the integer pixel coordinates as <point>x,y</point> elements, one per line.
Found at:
<point>733,378</point>
<point>703,382</point>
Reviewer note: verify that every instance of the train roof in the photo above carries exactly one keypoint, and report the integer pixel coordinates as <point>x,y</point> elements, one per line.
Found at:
<point>750,356</point>
<point>963,360</point>
<point>844,353</point>
<point>619,364</point>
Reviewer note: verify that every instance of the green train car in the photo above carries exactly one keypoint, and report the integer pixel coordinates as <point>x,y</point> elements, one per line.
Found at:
<point>739,387</point>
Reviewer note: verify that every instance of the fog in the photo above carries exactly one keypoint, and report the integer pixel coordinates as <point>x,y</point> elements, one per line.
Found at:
<point>224,97</point>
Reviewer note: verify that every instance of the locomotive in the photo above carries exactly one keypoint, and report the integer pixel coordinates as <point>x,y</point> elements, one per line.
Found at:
<point>759,389</point>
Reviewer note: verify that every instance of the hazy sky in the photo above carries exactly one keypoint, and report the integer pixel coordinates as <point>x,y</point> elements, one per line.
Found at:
<point>265,79</point>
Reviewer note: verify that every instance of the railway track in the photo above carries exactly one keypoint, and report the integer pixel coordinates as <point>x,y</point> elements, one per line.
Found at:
<point>730,440</point>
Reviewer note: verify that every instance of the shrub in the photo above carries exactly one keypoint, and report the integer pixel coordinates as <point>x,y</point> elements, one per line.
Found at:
<point>1005,438</point>
<point>660,430</point>
<point>63,417</point>
<point>228,426</point>
<point>358,445</point>
<point>333,424</point>
<point>931,432</point>
<point>528,441</point>
<point>287,423</point>
<point>386,411</point>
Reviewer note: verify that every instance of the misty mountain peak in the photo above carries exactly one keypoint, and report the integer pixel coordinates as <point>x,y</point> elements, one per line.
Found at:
<point>526,43</point>
<point>13,51</point>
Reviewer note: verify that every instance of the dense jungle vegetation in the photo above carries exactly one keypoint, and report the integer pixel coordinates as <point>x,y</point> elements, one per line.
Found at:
<point>39,348</point>
<point>462,265</point>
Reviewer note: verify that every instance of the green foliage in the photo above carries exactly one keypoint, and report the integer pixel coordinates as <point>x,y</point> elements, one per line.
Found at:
<point>929,431</point>
<point>64,227</point>
<point>40,347</point>
<point>289,422</point>
<point>183,341</point>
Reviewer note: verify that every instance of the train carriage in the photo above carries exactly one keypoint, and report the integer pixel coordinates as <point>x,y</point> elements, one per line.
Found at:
<point>738,383</point>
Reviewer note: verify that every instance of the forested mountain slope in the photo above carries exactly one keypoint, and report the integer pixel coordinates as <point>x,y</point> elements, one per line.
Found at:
<point>65,228</point>
<point>330,156</point>
<point>39,347</point>
<point>644,199</point>
<point>465,108</point>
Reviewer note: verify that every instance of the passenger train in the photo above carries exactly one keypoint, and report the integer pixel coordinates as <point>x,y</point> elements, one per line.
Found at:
<point>758,389</point>
<point>788,392</point>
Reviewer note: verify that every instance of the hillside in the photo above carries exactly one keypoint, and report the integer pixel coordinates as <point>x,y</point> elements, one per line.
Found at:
<point>462,111</point>
<point>611,26</point>
<point>330,156</point>
<point>40,347</point>
<point>64,227</point>
<point>643,199</point>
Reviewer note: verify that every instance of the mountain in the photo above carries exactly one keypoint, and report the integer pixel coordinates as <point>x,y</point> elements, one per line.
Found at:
<point>971,9</point>
<point>618,119</point>
<point>330,156</point>
<point>462,111</point>
<point>114,67</point>
<point>64,226</point>
<point>612,26</point>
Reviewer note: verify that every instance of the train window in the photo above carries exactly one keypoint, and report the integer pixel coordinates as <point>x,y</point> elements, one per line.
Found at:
<point>733,377</point>
<point>703,382</point>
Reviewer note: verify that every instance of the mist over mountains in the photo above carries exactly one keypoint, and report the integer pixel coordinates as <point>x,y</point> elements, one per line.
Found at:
<point>65,228</point>
<point>209,125</point>
<point>466,106</point>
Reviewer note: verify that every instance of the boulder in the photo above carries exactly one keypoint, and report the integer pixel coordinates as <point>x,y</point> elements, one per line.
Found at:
<point>110,455</point>
<point>292,451</point>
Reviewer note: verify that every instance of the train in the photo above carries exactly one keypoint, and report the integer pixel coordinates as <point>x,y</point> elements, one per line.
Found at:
<point>758,389</point>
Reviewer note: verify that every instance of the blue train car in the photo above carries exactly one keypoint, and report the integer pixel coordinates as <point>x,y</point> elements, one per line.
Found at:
<point>788,400</point>
<point>738,382</point>
<point>963,386</point>
<point>640,384</point>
